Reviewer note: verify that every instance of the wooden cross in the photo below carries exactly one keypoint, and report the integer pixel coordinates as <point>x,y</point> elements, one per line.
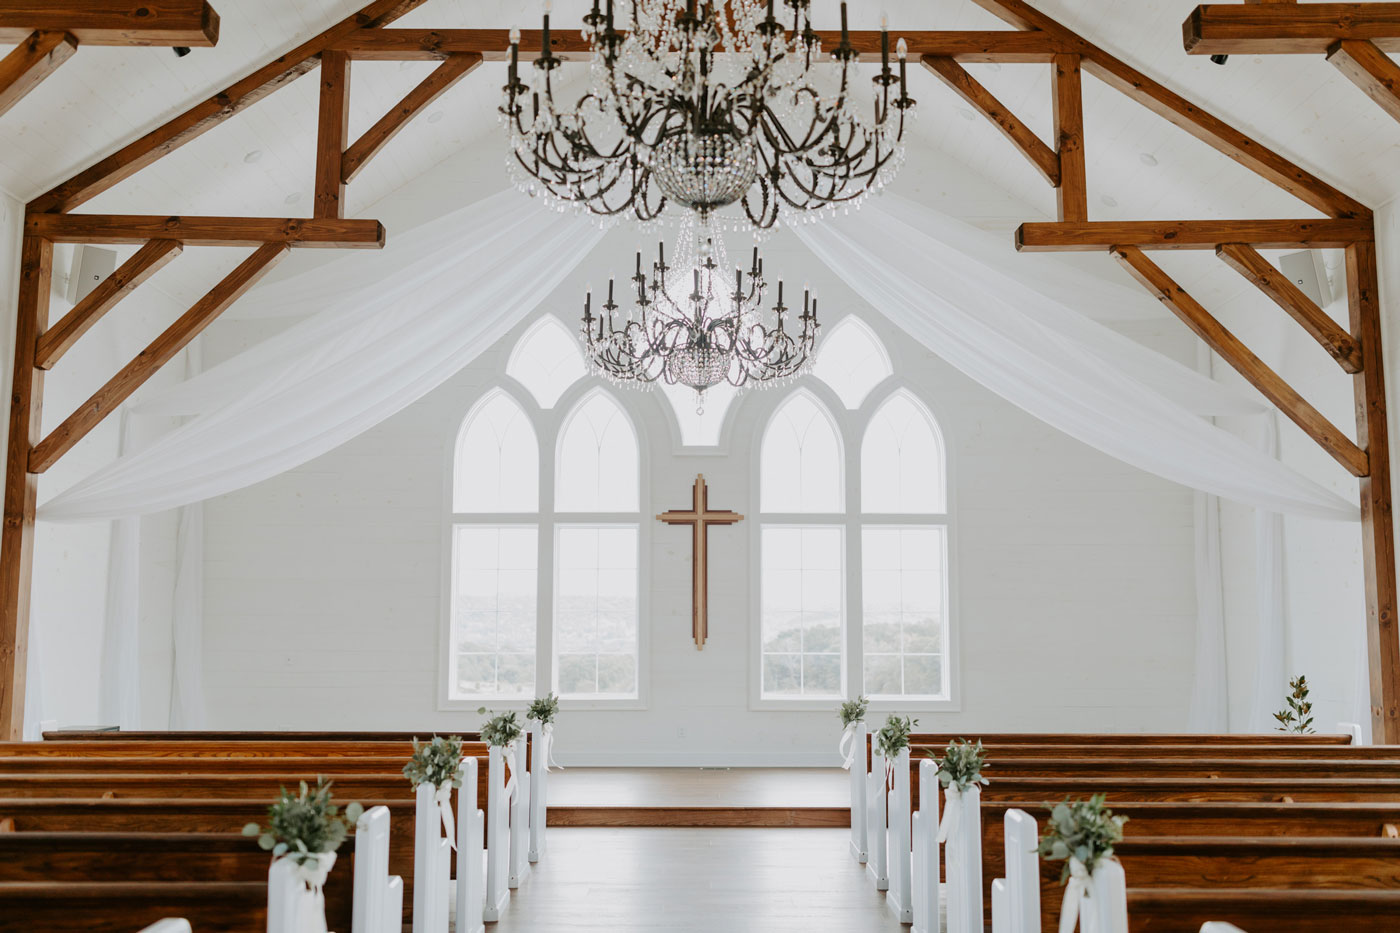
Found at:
<point>699,517</point>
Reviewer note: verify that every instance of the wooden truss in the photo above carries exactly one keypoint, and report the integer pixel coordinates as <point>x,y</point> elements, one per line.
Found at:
<point>1354,36</point>
<point>367,35</point>
<point>48,33</point>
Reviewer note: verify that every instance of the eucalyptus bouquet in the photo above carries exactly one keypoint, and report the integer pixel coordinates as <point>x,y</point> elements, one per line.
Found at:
<point>543,709</point>
<point>962,764</point>
<point>500,729</point>
<point>1083,830</point>
<point>305,825</point>
<point>437,762</point>
<point>1296,717</point>
<point>854,710</point>
<point>893,736</point>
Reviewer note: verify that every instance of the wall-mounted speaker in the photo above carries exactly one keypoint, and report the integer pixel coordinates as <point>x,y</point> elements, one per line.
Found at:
<point>91,264</point>
<point>1308,273</point>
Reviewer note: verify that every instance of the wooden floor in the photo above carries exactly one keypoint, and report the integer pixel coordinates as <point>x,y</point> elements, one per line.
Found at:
<point>699,787</point>
<point>697,881</point>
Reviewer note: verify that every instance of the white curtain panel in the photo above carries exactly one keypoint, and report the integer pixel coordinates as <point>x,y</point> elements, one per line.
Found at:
<point>1058,365</point>
<point>1210,700</point>
<point>393,326</point>
<point>187,708</point>
<point>390,327</point>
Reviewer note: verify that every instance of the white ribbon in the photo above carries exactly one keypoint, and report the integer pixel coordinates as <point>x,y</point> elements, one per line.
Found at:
<point>512,789</point>
<point>952,812</point>
<point>847,747</point>
<point>443,798</point>
<point>1080,888</point>
<point>313,870</point>
<point>549,762</point>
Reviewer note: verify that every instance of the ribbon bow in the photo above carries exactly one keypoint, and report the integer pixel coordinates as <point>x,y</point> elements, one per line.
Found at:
<point>847,748</point>
<point>512,788</point>
<point>1079,889</point>
<point>443,798</point>
<point>549,762</point>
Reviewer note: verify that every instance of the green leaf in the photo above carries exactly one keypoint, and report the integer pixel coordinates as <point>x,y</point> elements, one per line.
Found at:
<point>251,829</point>
<point>353,812</point>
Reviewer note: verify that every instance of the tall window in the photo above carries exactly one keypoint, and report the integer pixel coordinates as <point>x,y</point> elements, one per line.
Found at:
<point>802,615</point>
<point>853,569</point>
<point>545,562</point>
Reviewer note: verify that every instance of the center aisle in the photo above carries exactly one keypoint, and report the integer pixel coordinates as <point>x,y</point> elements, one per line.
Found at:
<point>681,880</point>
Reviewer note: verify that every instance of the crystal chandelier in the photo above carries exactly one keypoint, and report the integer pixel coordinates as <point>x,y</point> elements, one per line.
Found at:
<point>685,326</point>
<point>706,105</point>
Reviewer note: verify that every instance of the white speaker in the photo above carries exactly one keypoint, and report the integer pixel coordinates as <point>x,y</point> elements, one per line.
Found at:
<point>1306,271</point>
<point>91,264</point>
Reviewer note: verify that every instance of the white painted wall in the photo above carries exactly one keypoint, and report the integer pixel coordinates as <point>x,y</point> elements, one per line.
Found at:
<point>324,585</point>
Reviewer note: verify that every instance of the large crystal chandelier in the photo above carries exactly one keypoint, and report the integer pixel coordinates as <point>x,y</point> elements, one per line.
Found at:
<point>684,325</point>
<point>706,105</point>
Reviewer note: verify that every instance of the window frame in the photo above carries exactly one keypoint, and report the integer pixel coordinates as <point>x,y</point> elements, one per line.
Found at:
<point>851,426</point>
<point>548,425</point>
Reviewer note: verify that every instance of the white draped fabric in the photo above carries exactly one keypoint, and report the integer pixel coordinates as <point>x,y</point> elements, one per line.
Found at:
<point>391,328</point>
<point>1210,695</point>
<point>1061,367</point>
<point>187,709</point>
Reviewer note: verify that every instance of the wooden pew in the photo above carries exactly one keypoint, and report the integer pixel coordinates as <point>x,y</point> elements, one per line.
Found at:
<point>1123,789</point>
<point>997,753</point>
<point>258,786</point>
<point>1177,910</point>
<point>1212,767</point>
<point>1128,738</point>
<point>94,907</point>
<point>110,764</point>
<point>206,735</point>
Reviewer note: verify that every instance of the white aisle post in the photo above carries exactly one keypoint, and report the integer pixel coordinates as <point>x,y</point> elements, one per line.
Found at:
<point>520,812</point>
<point>497,836</point>
<point>961,832</point>
<point>877,864</point>
<point>1352,729</point>
<point>432,864</point>
<point>1109,903</point>
<point>1001,907</point>
<point>1022,838</point>
<point>860,781</point>
<point>292,907</point>
<point>377,897</point>
<point>169,925</point>
<point>471,828</point>
<point>927,896</point>
<point>1220,926</point>
<point>542,753</point>
<point>898,864</point>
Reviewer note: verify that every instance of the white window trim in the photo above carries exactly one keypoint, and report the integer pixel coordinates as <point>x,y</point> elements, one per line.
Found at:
<point>548,425</point>
<point>851,425</point>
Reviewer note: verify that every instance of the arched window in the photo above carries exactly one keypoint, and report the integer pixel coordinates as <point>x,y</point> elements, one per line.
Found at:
<point>904,540</point>
<point>802,553</point>
<point>852,360</point>
<point>544,598</point>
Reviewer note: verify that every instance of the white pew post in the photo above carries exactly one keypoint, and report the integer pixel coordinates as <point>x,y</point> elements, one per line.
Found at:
<point>497,837</point>
<point>1021,837</point>
<point>899,851</point>
<point>860,782</point>
<point>286,898</point>
<point>1219,926</point>
<point>471,825</point>
<point>373,891</point>
<point>432,864</point>
<point>878,864</point>
<point>1110,901</point>
<point>1001,907</point>
<point>539,776</point>
<point>168,925</point>
<point>926,895</point>
<point>964,856</point>
<point>1352,729</point>
<point>520,815</point>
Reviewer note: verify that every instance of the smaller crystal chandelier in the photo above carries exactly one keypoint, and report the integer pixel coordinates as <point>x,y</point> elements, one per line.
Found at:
<point>687,328</point>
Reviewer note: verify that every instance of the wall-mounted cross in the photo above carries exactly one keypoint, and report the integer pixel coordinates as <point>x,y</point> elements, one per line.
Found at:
<point>699,517</point>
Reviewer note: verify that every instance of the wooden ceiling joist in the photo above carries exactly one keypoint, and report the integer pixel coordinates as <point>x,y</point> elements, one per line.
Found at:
<point>1288,28</point>
<point>144,263</point>
<point>135,229</point>
<point>1040,155</point>
<point>1370,69</point>
<point>332,134</point>
<point>1333,338</point>
<point>443,77</point>
<point>30,62</point>
<point>161,351</point>
<point>1231,349</point>
<point>190,23</point>
<point>984,45</point>
<point>1097,236</point>
<point>1067,94</point>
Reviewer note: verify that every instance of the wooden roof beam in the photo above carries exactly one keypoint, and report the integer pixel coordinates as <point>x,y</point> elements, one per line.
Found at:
<point>29,63</point>
<point>1041,156</point>
<point>1288,28</point>
<point>1332,336</point>
<point>1095,236</point>
<point>113,22</point>
<point>452,70</point>
<point>160,351</point>
<point>201,118</point>
<point>1176,109</point>
<point>144,263</point>
<point>1233,351</point>
<point>1370,69</point>
<point>988,45</point>
<point>328,232</point>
